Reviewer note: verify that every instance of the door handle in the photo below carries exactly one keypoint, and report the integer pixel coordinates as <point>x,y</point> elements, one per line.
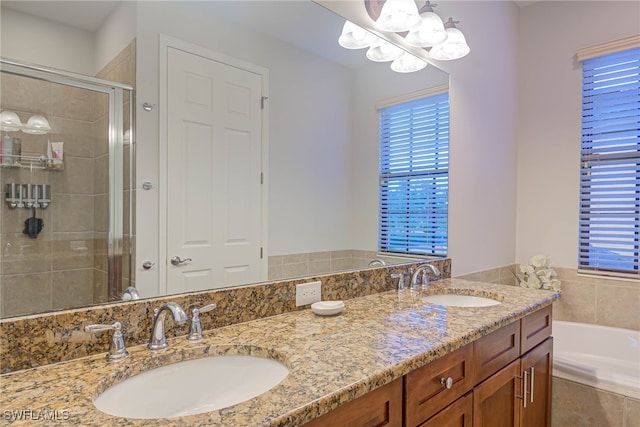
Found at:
<point>177,261</point>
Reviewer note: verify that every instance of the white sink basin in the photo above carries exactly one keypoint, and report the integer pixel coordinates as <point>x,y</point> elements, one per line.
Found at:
<point>460,300</point>
<point>192,387</point>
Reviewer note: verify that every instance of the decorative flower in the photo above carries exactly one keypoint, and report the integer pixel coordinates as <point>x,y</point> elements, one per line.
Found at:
<point>538,274</point>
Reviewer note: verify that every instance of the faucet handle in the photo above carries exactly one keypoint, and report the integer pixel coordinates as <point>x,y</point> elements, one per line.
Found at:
<point>401,277</point>
<point>117,348</point>
<point>195,329</point>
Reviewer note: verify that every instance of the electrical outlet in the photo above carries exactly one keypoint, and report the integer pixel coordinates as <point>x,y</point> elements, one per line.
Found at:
<point>308,293</point>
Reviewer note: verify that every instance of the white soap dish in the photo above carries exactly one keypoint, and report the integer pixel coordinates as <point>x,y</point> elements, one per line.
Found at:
<point>327,308</point>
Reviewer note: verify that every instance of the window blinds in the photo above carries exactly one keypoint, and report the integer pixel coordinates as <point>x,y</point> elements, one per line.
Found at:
<point>610,164</point>
<point>414,176</point>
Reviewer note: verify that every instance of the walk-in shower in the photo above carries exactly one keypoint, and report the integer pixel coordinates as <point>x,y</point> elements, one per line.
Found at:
<point>66,176</point>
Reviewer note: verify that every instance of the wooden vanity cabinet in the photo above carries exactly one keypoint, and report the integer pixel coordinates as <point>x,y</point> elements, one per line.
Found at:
<point>381,407</point>
<point>501,369</point>
<point>500,380</point>
<point>520,393</point>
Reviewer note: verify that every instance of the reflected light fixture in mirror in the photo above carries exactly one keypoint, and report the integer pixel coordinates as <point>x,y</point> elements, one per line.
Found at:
<point>398,15</point>
<point>444,41</point>
<point>408,63</point>
<point>383,51</point>
<point>355,37</point>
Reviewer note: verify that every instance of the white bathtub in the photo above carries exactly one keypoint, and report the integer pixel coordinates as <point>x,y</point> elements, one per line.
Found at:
<point>597,356</point>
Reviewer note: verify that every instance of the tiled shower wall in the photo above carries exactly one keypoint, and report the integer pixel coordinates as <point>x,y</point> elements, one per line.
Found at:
<point>65,266</point>
<point>121,69</point>
<point>55,270</point>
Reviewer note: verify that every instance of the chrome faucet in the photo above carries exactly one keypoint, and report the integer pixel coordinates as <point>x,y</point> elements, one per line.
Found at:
<point>158,338</point>
<point>195,329</point>
<point>422,268</point>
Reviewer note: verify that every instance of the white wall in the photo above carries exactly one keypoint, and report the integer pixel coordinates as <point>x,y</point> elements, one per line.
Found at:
<point>548,131</point>
<point>483,98</point>
<point>115,34</point>
<point>27,38</point>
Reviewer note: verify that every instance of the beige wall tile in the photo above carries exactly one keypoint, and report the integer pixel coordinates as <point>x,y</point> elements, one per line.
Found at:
<point>76,177</point>
<point>101,174</point>
<point>26,294</point>
<point>618,306</point>
<point>72,251</point>
<point>295,258</point>
<point>77,136</point>
<point>25,94</point>
<point>101,213</point>
<point>319,267</point>
<point>72,288</point>
<point>295,270</point>
<point>100,287</point>
<point>320,256</point>
<point>72,103</point>
<point>632,413</point>
<point>575,405</point>
<point>275,272</point>
<point>21,254</point>
<point>72,212</point>
<point>338,264</point>
<point>577,304</point>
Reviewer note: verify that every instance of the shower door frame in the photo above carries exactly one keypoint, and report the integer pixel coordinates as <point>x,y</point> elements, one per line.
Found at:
<point>116,93</point>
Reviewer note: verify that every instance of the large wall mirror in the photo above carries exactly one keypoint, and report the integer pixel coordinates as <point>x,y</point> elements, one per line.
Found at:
<point>320,162</point>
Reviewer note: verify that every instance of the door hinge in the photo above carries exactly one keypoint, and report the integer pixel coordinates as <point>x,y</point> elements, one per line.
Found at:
<point>261,252</point>
<point>262,99</point>
<point>261,177</point>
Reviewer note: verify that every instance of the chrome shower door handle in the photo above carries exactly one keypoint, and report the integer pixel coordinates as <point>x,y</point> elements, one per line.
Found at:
<point>177,261</point>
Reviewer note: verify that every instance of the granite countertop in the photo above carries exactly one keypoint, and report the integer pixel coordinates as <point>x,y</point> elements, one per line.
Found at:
<point>332,360</point>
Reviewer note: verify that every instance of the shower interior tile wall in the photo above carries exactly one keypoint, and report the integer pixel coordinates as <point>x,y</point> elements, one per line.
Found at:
<point>57,269</point>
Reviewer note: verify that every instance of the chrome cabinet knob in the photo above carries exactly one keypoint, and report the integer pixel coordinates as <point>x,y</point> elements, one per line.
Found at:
<point>448,382</point>
<point>177,261</point>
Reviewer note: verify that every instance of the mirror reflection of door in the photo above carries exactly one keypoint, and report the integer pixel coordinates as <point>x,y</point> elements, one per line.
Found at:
<point>214,175</point>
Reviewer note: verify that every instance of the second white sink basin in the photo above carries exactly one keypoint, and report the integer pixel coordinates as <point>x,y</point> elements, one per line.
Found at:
<point>192,387</point>
<point>460,300</point>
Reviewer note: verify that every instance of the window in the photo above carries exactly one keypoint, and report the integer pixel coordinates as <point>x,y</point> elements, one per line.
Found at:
<point>610,164</point>
<point>414,176</point>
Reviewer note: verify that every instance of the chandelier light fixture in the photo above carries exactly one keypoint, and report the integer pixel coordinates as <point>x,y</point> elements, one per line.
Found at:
<point>421,28</point>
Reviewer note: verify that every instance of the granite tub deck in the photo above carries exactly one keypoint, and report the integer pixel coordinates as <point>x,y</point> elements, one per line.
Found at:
<point>332,360</point>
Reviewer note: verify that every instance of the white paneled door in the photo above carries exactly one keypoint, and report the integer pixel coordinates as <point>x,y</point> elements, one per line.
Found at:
<point>214,214</point>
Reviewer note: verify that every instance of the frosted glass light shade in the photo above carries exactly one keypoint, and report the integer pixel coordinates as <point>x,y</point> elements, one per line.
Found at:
<point>398,15</point>
<point>355,37</point>
<point>9,121</point>
<point>36,125</point>
<point>383,51</point>
<point>408,63</point>
<point>454,47</point>
<point>429,33</point>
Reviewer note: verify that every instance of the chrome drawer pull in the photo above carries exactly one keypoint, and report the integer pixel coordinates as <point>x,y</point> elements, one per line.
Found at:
<point>448,382</point>
<point>532,378</point>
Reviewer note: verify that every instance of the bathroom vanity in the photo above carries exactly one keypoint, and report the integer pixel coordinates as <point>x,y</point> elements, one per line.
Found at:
<point>388,359</point>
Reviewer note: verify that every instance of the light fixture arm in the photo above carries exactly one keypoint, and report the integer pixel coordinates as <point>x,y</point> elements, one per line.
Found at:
<point>450,23</point>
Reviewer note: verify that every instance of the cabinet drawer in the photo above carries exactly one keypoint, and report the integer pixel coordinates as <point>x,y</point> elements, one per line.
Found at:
<point>458,414</point>
<point>424,391</point>
<point>496,350</point>
<point>536,328</point>
<point>381,407</point>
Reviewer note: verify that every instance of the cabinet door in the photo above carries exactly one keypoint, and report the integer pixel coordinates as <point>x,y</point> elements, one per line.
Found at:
<point>381,407</point>
<point>496,401</point>
<point>536,406</point>
<point>458,414</point>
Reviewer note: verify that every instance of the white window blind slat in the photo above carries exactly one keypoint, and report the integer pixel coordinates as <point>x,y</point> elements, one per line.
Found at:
<point>609,229</point>
<point>414,176</point>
